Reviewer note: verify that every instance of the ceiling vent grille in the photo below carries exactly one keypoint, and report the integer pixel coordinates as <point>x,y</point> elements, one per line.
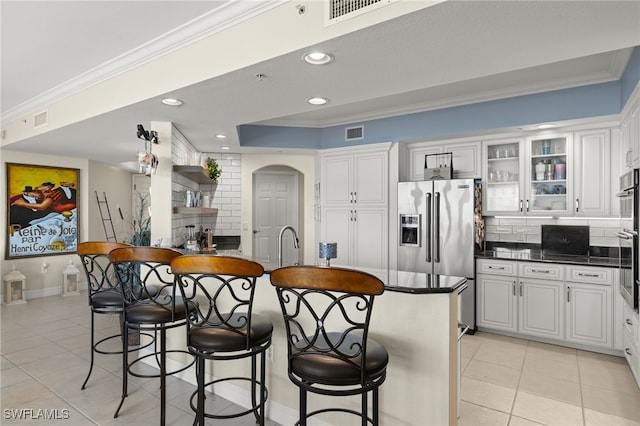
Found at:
<point>354,133</point>
<point>339,10</point>
<point>40,119</point>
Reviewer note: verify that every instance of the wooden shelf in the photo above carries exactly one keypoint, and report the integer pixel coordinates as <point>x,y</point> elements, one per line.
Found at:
<point>195,210</point>
<point>197,174</point>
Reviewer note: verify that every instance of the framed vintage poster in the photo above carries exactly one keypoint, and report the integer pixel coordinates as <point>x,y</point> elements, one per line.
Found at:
<point>42,210</point>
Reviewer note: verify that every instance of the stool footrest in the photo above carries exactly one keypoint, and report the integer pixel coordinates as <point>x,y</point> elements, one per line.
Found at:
<point>157,354</point>
<point>255,409</point>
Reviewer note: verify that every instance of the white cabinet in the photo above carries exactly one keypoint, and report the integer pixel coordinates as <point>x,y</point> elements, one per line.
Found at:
<point>360,179</point>
<point>567,303</point>
<point>549,170</point>
<point>355,205</point>
<point>631,340</point>
<point>360,234</point>
<point>540,299</point>
<point>528,177</point>
<point>590,305</point>
<point>589,314</point>
<point>520,298</point>
<point>630,131</point>
<point>503,177</point>
<point>496,300</point>
<point>592,177</point>
<point>467,160</point>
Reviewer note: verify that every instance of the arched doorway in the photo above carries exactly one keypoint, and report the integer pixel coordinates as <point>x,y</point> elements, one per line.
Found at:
<point>276,203</point>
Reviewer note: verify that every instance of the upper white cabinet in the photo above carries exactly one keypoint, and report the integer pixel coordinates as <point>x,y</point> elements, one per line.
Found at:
<point>467,159</point>
<point>528,177</point>
<point>592,183</point>
<point>355,202</point>
<point>356,178</point>
<point>630,135</point>
<point>549,169</point>
<point>561,174</point>
<point>503,168</point>
<point>630,131</point>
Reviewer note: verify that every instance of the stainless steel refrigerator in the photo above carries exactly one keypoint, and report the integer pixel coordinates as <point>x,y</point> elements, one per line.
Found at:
<point>437,232</point>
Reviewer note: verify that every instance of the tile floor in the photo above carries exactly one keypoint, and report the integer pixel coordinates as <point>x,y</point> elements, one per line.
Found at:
<point>505,381</point>
<point>508,381</point>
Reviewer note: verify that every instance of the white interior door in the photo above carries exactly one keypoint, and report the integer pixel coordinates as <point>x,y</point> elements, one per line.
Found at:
<point>275,204</point>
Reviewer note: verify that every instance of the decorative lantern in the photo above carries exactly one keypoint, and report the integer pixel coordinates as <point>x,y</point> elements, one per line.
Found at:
<point>15,282</point>
<point>328,251</point>
<point>70,285</point>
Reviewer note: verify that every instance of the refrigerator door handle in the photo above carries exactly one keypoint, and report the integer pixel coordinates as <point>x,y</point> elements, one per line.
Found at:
<point>427,225</point>
<point>436,227</point>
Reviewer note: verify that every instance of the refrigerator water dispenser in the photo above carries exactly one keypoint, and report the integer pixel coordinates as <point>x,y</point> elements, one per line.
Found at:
<point>410,230</point>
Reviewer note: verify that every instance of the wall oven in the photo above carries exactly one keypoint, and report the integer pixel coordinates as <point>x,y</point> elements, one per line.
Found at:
<point>629,197</point>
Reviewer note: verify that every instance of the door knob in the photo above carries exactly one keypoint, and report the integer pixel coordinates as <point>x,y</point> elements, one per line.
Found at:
<point>255,231</point>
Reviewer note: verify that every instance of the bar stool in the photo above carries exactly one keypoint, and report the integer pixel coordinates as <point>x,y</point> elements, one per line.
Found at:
<point>326,313</point>
<point>222,325</point>
<point>105,295</point>
<point>152,305</point>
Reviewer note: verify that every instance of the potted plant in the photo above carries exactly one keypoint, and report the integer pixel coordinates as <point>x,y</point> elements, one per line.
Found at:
<point>214,170</point>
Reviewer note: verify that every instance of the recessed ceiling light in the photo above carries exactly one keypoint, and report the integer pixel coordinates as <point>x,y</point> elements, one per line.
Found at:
<point>317,58</point>
<point>221,136</point>
<point>172,102</point>
<point>224,147</point>
<point>546,126</point>
<point>317,101</point>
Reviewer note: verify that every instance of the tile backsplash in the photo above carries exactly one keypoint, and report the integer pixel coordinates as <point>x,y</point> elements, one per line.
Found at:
<point>602,232</point>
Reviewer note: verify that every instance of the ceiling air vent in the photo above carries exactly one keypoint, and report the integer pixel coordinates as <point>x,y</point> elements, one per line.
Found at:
<point>339,10</point>
<point>40,119</point>
<point>354,133</point>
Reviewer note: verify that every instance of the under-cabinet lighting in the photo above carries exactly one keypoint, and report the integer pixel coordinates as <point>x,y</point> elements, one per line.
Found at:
<point>221,136</point>
<point>225,148</point>
<point>546,126</point>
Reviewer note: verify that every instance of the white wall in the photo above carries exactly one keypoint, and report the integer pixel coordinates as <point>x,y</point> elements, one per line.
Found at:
<point>115,184</point>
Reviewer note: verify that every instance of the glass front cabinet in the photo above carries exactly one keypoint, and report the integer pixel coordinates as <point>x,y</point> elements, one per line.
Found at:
<point>527,176</point>
<point>503,166</point>
<point>548,169</point>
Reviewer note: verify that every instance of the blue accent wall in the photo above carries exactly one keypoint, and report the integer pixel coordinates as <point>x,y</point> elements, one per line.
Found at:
<point>631,76</point>
<point>567,104</point>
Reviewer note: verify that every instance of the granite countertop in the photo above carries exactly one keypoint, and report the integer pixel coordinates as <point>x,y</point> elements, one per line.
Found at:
<point>533,255</point>
<point>424,283</point>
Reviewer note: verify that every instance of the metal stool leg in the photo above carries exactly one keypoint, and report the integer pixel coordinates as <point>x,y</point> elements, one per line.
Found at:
<point>92,351</point>
<point>201,399</point>
<point>303,407</point>
<point>125,365</point>
<point>262,386</point>
<point>163,376</point>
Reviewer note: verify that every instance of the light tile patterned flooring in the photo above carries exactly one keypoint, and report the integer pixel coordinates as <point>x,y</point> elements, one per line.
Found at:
<point>505,381</point>
<point>508,381</point>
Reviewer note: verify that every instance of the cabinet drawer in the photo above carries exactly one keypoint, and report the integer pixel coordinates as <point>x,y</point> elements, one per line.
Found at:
<point>496,267</point>
<point>541,271</point>
<point>590,274</point>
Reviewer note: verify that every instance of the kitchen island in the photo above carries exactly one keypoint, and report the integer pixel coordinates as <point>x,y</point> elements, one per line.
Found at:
<point>416,319</point>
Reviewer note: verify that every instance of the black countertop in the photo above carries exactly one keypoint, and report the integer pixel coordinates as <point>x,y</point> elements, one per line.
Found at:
<point>397,281</point>
<point>424,283</point>
<point>533,255</point>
